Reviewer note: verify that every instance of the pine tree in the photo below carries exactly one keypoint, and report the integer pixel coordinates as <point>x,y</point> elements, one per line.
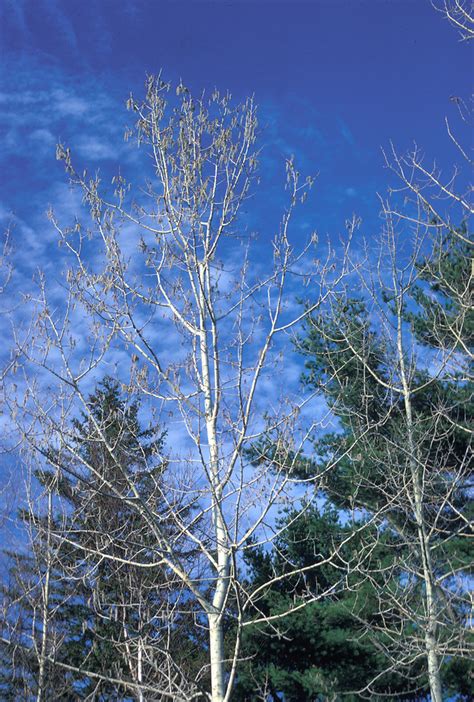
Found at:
<point>355,364</point>
<point>323,652</point>
<point>368,636</point>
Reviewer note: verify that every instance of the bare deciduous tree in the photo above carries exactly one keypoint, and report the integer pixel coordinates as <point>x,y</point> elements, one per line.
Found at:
<point>438,209</point>
<point>162,284</point>
<point>459,14</point>
<point>399,359</point>
<point>79,614</point>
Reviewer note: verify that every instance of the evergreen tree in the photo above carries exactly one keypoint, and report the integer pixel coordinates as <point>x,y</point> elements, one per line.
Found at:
<point>115,625</point>
<point>356,365</point>
<point>369,637</point>
<point>323,652</point>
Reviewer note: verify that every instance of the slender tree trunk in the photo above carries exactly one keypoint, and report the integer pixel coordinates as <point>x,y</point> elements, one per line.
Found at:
<point>433,667</point>
<point>434,676</point>
<point>41,697</point>
<point>430,602</point>
<point>211,408</point>
<point>216,650</point>
<point>140,671</point>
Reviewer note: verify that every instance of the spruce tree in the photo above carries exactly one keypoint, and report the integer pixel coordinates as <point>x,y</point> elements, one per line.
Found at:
<point>115,626</point>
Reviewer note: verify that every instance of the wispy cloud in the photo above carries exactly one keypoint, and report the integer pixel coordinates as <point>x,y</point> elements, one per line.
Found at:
<point>40,104</point>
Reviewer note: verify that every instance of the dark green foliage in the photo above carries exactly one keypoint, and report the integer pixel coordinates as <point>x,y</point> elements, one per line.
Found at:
<point>340,643</point>
<point>324,650</point>
<point>105,612</point>
<point>445,314</point>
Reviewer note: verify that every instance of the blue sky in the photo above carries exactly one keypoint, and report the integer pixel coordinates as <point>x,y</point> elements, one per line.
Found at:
<point>335,80</point>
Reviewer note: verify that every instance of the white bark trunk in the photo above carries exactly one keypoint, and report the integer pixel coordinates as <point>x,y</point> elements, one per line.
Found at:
<point>433,669</point>
<point>215,618</point>
<point>40,697</point>
<point>434,676</point>
<point>140,672</point>
<point>216,650</point>
<point>430,602</point>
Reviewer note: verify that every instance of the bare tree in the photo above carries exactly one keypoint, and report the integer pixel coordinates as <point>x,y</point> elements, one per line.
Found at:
<point>438,208</point>
<point>398,356</point>
<point>84,621</point>
<point>162,283</point>
<point>30,605</point>
<point>404,346</point>
<point>426,195</point>
<point>459,13</point>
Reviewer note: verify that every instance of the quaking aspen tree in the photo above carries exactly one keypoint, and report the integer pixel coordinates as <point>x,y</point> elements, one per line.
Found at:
<point>165,282</point>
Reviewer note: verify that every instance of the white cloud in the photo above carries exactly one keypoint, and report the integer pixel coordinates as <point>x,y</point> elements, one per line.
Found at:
<point>96,149</point>
<point>42,135</point>
<point>43,106</point>
<point>67,103</point>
